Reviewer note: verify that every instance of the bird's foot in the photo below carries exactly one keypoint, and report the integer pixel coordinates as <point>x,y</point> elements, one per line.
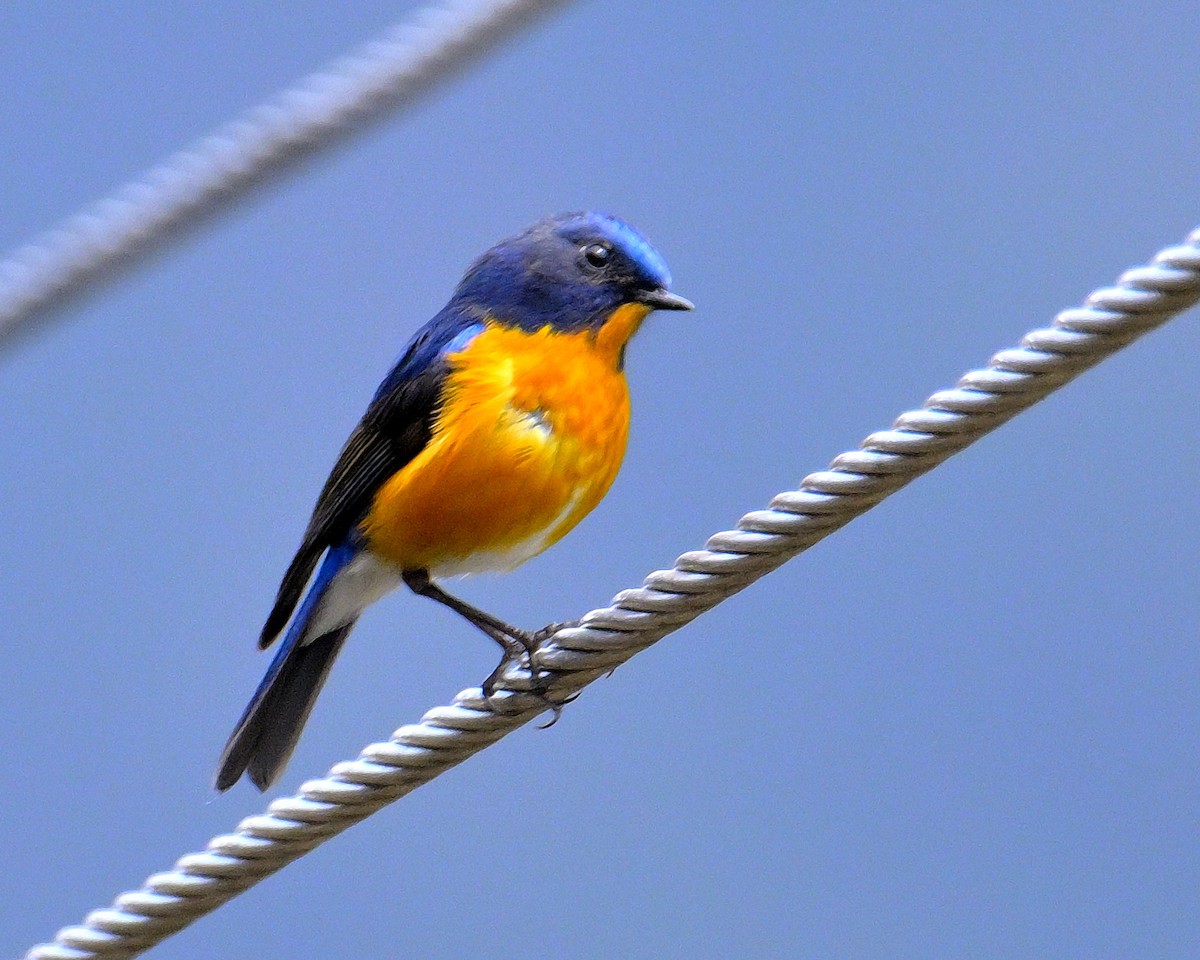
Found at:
<point>525,650</point>
<point>539,637</point>
<point>541,678</point>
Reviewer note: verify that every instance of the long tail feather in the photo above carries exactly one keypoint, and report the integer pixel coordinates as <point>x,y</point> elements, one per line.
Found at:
<point>266,735</point>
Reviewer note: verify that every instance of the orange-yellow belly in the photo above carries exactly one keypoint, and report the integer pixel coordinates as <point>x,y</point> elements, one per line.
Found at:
<point>529,438</point>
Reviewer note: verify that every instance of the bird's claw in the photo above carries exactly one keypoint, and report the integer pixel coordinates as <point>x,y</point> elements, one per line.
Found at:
<point>525,652</point>
<point>538,637</point>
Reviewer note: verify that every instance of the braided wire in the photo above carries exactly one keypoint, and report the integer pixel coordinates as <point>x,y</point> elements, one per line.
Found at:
<point>949,421</point>
<point>323,108</point>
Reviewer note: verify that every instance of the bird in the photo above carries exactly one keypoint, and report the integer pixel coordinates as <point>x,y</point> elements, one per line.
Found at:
<point>502,425</point>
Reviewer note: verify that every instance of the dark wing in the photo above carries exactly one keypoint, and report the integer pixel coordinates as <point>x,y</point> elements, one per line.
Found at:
<point>395,428</point>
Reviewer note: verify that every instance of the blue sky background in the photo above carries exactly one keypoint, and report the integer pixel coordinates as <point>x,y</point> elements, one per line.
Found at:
<point>963,727</point>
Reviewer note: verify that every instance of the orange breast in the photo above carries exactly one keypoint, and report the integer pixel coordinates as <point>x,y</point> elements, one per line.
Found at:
<point>530,436</point>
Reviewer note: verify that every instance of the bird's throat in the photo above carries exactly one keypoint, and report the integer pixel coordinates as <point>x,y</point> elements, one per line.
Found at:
<point>616,331</point>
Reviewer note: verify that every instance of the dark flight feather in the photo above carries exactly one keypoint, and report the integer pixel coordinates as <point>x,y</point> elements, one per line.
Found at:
<point>395,428</point>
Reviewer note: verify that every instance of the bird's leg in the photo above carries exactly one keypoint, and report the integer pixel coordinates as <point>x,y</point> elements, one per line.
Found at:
<point>512,640</point>
<point>503,633</point>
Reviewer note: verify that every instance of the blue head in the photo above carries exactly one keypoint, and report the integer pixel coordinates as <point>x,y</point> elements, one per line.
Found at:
<point>569,272</point>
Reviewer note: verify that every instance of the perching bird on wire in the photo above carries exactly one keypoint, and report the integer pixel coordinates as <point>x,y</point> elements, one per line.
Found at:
<point>501,427</point>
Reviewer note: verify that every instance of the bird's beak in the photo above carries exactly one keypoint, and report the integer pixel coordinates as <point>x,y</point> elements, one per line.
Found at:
<point>663,299</point>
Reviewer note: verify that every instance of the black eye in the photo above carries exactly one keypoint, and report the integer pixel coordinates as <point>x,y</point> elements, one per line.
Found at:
<point>597,254</point>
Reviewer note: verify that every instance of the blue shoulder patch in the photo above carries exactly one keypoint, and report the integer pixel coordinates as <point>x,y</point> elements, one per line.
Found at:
<point>448,332</point>
<point>460,340</point>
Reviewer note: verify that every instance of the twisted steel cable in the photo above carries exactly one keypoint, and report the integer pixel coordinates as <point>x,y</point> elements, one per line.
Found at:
<point>949,421</point>
<point>323,108</point>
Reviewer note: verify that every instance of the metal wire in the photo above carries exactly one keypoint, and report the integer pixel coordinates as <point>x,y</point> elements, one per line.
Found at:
<point>918,441</point>
<point>179,193</point>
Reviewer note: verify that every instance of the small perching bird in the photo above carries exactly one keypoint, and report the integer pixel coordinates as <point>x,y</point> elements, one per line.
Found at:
<point>503,425</point>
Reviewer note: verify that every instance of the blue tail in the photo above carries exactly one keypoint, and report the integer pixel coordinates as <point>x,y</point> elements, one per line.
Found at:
<point>266,735</point>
